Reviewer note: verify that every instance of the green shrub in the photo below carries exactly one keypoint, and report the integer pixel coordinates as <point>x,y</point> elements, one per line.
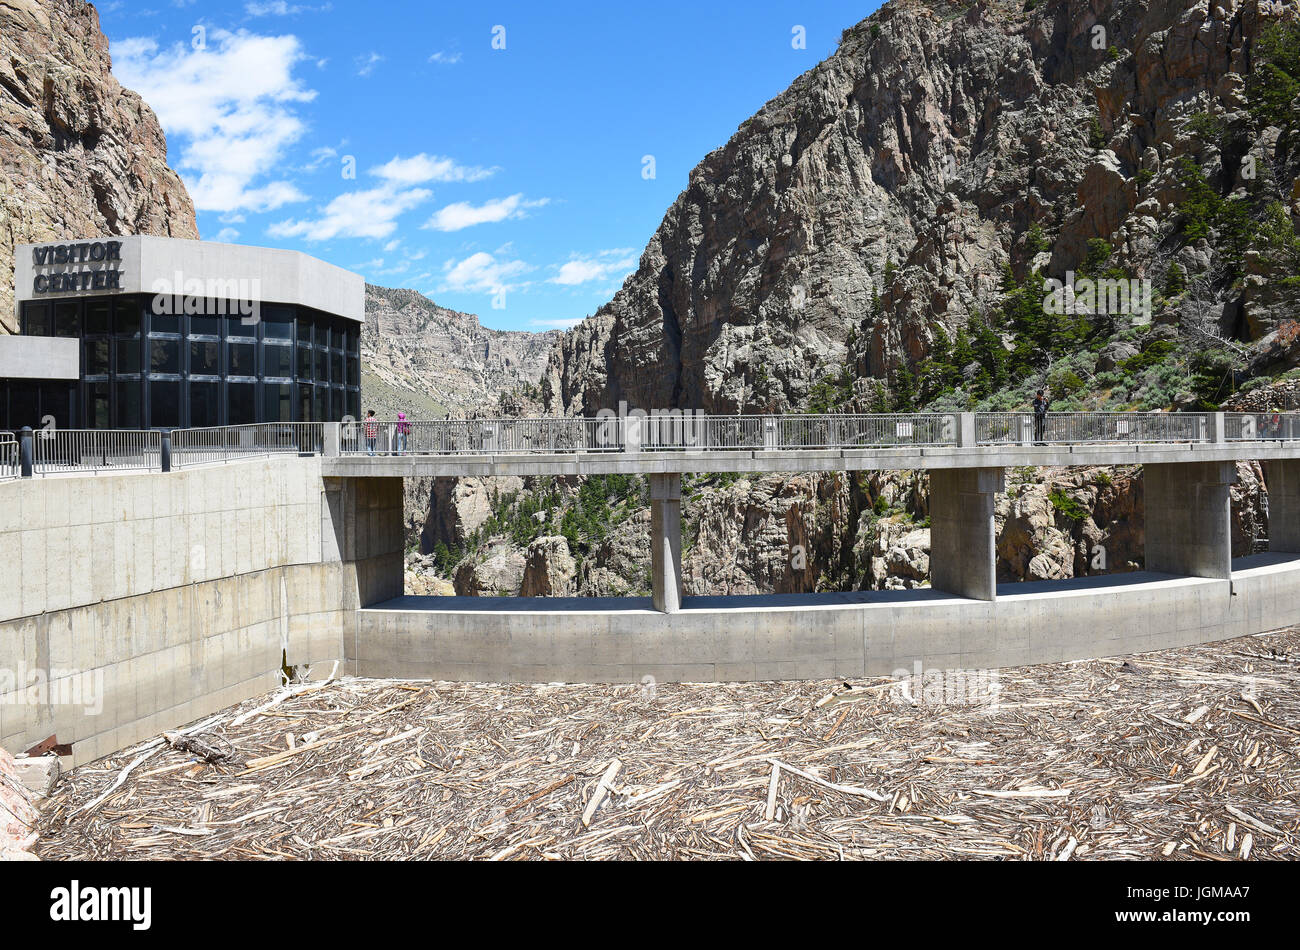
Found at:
<point>1066,506</point>
<point>1096,136</point>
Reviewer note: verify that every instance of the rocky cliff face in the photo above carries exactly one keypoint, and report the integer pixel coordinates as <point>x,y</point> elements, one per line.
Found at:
<point>428,360</point>
<point>79,155</point>
<point>910,167</point>
<point>807,533</point>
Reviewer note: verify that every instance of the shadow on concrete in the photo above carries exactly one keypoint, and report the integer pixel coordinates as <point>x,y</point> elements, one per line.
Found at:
<point>639,604</point>
<point>1098,583</point>
<point>1092,584</point>
<point>1267,559</point>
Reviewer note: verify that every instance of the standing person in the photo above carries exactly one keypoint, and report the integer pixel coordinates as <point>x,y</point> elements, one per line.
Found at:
<point>1040,418</point>
<point>371,432</point>
<point>403,430</point>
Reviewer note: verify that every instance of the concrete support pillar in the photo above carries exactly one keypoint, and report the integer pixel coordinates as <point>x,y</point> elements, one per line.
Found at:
<point>1189,518</point>
<point>362,526</point>
<point>666,539</point>
<point>962,559</point>
<point>1283,479</point>
<point>963,426</point>
<point>332,439</point>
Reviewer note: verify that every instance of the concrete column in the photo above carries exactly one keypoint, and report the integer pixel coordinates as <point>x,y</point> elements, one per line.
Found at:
<point>962,559</point>
<point>332,444</point>
<point>632,427</point>
<point>1283,479</point>
<point>1189,518</point>
<point>361,525</point>
<point>1218,429</point>
<point>666,539</point>
<point>963,424</point>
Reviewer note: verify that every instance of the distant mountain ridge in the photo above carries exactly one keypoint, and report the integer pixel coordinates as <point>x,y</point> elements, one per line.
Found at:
<point>429,360</point>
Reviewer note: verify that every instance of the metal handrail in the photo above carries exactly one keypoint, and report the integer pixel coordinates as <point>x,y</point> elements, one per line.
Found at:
<point>676,431</point>
<point>1261,426</point>
<point>665,431</point>
<point>74,450</point>
<point>212,444</point>
<point>9,462</point>
<point>1084,428</point>
<point>67,450</point>
<point>478,437</point>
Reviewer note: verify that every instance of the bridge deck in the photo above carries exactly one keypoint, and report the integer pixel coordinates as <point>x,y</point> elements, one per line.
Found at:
<point>805,460</point>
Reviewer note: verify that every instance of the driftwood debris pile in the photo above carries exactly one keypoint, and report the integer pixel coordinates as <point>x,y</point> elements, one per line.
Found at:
<point>1190,754</point>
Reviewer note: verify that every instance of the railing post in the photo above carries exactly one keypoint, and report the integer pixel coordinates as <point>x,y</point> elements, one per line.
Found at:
<point>165,451</point>
<point>332,440</point>
<point>1218,428</point>
<point>770,440</point>
<point>631,433</point>
<point>25,451</point>
<point>967,434</point>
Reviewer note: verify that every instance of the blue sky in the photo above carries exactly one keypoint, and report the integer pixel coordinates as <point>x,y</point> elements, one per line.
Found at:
<point>494,156</point>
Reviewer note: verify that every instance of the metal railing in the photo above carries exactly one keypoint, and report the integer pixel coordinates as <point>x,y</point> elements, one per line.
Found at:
<point>230,443</point>
<point>479,437</point>
<point>1261,426</point>
<point>1084,428</point>
<point>69,450</point>
<point>9,467</point>
<point>76,450</point>
<point>686,431</point>
<point>660,432</point>
<point>721,433</point>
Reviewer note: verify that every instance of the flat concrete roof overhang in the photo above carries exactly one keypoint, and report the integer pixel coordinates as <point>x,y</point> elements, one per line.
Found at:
<point>151,265</point>
<point>828,460</point>
<point>40,357</point>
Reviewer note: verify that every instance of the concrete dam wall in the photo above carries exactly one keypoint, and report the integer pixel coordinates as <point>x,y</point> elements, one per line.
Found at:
<point>136,602</point>
<point>133,603</point>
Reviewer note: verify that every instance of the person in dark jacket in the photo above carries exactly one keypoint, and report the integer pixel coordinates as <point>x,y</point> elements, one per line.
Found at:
<point>1040,418</point>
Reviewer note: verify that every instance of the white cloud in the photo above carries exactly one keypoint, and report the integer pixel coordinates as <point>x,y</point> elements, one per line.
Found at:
<point>462,214</point>
<point>422,168</point>
<point>226,236</point>
<point>367,62</point>
<point>603,265</point>
<point>371,213</point>
<point>444,58</point>
<point>481,272</point>
<point>229,107</point>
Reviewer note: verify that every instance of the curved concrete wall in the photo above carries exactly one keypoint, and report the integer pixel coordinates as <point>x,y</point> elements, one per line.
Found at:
<point>819,636</point>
